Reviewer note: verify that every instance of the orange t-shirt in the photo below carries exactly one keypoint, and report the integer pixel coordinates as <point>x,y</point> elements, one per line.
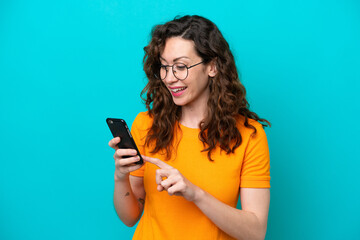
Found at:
<point>173,217</point>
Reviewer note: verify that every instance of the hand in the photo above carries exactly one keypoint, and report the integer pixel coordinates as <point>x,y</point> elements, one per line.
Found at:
<point>123,166</point>
<point>171,180</point>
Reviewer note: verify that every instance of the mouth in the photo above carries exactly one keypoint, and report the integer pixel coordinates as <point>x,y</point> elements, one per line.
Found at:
<point>177,91</point>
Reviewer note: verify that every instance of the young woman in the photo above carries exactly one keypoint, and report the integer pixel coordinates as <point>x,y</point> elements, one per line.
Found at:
<point>202,146</point>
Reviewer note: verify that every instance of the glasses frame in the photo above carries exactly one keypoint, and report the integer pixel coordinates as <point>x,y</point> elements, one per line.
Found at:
<point>172,69</point>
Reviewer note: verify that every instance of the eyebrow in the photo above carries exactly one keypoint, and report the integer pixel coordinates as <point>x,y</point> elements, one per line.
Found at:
<point>175,59</point>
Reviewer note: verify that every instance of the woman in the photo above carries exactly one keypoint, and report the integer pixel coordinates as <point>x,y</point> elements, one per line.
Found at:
<point>201,144</point>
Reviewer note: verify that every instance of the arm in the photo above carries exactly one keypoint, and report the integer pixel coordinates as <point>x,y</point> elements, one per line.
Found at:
<point>129,195</point>
<point>129,192</point>
<point>248,223</point>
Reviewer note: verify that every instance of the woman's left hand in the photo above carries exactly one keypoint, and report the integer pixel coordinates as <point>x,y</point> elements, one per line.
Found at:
<point>171,180</point>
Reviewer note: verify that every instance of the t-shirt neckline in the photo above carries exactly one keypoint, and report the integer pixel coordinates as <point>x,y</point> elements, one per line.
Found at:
<point>183,127</point>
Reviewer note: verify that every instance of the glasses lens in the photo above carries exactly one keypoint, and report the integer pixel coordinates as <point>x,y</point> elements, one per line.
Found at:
<point>180,71</point>
<point>163,72</point>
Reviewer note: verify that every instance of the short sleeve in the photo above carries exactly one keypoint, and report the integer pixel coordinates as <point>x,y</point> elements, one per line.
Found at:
<point>139,135</point>
<point>255,172</point>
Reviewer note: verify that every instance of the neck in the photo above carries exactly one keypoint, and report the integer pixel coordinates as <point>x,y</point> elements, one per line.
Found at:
<point>191,116</point>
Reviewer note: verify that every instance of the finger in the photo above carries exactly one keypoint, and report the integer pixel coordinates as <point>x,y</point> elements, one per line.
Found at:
<point>126,161</point>
<point>160,188</point>
<point>176,189</point>
<point>127,170</point>
<point>160,174</point>
<point>121,152</point>
<point>134,167</point>
<point>157,162</point>
<point>113,143</point>
<point>168,183</point>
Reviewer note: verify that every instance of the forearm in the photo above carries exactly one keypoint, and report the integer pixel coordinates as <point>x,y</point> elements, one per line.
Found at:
<point>127,207</point>
<point>237,223</point>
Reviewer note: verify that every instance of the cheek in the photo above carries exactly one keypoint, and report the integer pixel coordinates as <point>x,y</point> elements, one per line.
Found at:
<point>203,82</point>
<point>197,82</point>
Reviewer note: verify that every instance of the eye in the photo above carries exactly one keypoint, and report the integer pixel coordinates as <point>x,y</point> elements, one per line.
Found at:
<point>180,67</point>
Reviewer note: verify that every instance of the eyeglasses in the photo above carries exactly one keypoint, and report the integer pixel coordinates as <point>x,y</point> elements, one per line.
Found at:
<point>179,70</point>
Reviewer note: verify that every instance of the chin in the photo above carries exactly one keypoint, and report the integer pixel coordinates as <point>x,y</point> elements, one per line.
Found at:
<point>179,102</point>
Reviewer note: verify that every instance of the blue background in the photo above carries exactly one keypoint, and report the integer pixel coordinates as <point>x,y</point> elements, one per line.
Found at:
<point>65,66</point>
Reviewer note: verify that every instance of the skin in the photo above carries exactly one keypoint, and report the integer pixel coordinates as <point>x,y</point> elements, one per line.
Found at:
<point>193,101</point>
<point>129,193</point>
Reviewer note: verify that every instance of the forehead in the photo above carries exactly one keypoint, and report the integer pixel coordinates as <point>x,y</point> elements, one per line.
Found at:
<point>177,47</point>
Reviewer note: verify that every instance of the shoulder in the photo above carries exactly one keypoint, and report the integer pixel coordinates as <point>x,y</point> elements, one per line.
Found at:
<point>248,131</point>
<point>256,143</point>
<point>143,121</point>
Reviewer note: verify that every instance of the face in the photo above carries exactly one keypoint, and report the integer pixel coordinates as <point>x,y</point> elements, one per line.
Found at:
<point>194,90</point>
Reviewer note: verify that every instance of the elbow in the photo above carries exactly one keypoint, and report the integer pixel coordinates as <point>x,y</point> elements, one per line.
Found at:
<point>258,229</point>
<point>257,236</point>
<point>128,221</point>
<point>129,224</point>
<point>261,234</point>
<point>261,237</point>
<point>128,218</point>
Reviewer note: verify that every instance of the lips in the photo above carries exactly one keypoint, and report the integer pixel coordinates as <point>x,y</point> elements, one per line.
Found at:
<point>177,91</point>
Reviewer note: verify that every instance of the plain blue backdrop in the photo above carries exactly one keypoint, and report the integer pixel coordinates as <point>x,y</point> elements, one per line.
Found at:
<point>65,66</point>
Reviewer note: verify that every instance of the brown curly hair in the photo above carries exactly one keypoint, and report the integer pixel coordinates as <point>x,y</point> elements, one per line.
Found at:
<point>227,95</point>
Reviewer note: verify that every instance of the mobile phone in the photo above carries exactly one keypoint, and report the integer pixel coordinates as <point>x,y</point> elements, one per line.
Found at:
<point>119,128</point>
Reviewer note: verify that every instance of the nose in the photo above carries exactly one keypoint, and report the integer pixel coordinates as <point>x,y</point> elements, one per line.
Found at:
<point>170,77</point>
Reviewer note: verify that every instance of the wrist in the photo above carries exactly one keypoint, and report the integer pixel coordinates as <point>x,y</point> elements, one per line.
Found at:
<point>199,195</point>
<point>121,178</point>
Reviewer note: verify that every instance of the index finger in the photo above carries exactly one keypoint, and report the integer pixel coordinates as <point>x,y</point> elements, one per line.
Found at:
<point>157,162</point>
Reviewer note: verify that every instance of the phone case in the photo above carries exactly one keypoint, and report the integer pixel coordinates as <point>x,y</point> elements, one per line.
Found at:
<point>119,128</point>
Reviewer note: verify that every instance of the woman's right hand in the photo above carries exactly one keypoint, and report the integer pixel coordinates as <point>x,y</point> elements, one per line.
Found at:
<point>124,165</point>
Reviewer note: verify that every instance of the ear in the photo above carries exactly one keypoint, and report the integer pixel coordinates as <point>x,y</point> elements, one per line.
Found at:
<point>212,68</point>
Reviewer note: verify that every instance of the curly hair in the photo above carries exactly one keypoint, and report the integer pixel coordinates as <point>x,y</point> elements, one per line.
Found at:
<point>227,99</point>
